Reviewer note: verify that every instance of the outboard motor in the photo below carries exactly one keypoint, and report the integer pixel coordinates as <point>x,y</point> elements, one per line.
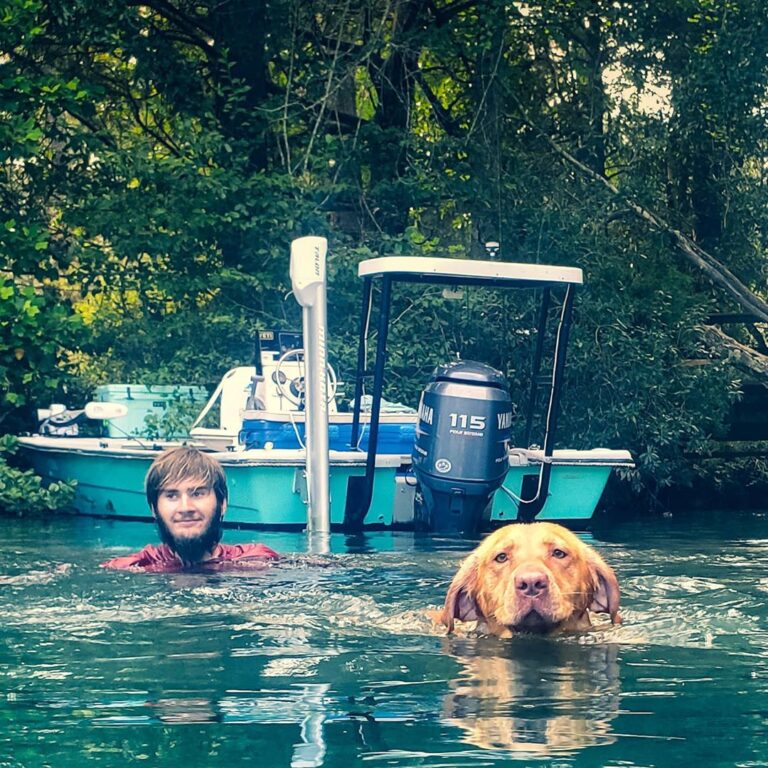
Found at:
<point>460,453</point>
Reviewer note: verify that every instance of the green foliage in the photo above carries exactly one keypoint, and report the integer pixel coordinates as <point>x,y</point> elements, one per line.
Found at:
<point>33,327</point>
<point>175,420</point>
<point>21,491</point>
<point>158,161</point>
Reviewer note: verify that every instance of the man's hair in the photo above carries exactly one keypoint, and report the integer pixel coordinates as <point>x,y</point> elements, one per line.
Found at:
<point>177,464</point>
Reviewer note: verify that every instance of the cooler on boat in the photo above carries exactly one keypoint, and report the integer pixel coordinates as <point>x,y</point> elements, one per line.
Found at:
<point>144,400</point>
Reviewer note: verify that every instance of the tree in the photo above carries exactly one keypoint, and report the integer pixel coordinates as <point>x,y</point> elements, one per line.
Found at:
<point>160,157</point>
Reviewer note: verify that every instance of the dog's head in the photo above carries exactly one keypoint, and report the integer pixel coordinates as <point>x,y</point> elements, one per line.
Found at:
<point>531,577</point>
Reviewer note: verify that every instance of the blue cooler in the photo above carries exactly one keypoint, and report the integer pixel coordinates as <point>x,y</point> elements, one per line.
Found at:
<point>394,438</point>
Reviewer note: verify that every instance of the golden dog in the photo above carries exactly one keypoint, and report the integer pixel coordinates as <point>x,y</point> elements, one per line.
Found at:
<point>531,577</point>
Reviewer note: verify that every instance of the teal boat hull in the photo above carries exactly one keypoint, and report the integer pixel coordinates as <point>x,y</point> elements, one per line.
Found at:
<point>263,491</point>
<point>267,488</point>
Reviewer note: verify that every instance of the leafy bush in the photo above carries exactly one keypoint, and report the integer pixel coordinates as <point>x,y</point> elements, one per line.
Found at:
<point>22,491</point>
<point>175,420</point>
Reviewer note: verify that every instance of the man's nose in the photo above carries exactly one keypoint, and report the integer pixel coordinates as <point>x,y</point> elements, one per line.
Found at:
<point>186,500</point>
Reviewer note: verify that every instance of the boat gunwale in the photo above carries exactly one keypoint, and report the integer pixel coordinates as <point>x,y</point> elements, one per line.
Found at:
<point>572,457</point>
<point>244,458</point>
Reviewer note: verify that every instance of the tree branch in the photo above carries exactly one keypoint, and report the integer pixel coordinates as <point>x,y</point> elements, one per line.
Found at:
<point>449,125</point>
<point>718,273</point>
<point>193,25</point>
<point>739,354</point>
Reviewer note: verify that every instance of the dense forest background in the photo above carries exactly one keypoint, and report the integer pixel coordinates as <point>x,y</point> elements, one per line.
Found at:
<point>159,157</point>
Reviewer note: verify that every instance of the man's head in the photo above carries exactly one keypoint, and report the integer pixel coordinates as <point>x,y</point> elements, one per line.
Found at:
<point>187,492</point>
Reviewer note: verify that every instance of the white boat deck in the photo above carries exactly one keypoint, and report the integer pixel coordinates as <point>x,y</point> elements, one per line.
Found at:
<point>140,448</point>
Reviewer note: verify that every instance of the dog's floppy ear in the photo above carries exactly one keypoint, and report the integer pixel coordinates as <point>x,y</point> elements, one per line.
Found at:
<point>606,596</point>
<point>461,602</point>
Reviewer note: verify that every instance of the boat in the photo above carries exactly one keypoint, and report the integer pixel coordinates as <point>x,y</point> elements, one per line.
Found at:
<point>293,459</point>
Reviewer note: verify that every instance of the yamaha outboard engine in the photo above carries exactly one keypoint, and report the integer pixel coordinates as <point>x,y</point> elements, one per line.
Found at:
<point>460,453</point>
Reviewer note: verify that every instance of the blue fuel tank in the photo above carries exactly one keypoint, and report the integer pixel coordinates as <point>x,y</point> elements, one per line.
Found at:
<point>460,452</point>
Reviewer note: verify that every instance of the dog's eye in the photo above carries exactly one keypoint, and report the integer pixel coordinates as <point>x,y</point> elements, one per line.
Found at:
<point>559,554</point>
<point>501,557</point>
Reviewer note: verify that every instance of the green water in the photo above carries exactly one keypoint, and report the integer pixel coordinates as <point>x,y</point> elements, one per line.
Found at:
<point>302,665</point>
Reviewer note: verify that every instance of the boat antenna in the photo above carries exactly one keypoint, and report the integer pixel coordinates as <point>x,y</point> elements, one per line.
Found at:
<point>257,354</point>
<point>254,402</point>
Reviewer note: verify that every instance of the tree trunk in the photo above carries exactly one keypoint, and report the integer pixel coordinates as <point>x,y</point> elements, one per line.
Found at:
<point>240,28</point>
<point>394,81</point>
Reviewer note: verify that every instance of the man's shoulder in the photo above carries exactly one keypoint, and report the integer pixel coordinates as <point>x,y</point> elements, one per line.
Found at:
<point>150,556</point>
<point>162,558</point>
<point>231,552</point>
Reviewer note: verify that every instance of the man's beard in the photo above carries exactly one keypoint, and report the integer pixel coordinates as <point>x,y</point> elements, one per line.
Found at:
<point>191,550</point>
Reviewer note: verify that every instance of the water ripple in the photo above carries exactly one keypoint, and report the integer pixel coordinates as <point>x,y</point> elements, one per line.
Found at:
<point>333,661</point>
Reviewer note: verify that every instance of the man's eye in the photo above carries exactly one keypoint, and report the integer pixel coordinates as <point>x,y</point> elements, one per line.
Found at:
<point>501,557</point>
<point>559,554</point>
<point>200,492</point>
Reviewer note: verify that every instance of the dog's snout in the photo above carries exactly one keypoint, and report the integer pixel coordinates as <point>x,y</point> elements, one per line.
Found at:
<point>531,583</point>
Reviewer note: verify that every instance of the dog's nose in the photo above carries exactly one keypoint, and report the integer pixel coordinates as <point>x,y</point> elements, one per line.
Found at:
<point>531,583</point>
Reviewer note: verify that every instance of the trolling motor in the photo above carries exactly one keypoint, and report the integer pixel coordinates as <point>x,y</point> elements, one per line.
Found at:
<point>460,453</point>
<point>58,421</point>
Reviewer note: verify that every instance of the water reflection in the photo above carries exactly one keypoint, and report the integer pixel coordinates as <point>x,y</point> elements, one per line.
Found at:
<point>41,576</point>
<point>178,711</point>
<point>306,706</point>
<point>533,696</point>
<point>310,752</point>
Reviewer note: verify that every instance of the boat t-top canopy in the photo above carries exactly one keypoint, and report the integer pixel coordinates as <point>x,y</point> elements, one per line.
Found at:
<point>388,270</point>
<point>469,272</point>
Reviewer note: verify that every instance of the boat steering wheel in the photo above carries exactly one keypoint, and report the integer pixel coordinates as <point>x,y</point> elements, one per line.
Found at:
<point>294,390</point>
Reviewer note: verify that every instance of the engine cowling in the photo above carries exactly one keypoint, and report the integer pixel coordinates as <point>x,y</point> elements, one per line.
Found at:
<point>460,452</point>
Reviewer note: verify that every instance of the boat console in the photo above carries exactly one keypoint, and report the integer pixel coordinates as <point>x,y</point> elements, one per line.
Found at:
<point>264,407</point>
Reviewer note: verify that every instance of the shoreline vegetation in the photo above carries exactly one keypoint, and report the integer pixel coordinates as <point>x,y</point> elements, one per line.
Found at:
<point>159,158</point>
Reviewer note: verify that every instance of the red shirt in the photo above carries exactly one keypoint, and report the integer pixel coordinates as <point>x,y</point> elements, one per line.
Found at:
<point>162,558</point>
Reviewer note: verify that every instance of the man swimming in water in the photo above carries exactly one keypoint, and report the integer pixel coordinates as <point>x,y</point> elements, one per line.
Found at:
<point>187,493</point>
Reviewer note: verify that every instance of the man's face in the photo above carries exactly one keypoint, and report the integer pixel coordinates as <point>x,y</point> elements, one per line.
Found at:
<point>189,518</point>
